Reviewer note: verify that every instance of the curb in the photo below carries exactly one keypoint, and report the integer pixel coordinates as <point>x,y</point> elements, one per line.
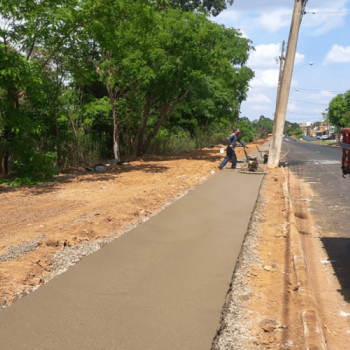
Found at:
<point>314,338</point>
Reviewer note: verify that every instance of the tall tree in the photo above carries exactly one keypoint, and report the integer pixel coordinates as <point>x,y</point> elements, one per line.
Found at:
<point>188,49</point>
<point>339,110</point>
<point>214,7</point>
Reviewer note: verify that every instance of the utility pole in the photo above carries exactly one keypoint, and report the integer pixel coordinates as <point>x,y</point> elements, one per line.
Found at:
<point>280,77</point>
<point>283,94</point>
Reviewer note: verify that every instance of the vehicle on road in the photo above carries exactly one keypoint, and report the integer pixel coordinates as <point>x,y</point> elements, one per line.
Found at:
<point>345,144</point>
<point>324,137</point>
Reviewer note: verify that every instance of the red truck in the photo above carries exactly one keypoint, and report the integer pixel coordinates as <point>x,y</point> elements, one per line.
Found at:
<point>346,152</point>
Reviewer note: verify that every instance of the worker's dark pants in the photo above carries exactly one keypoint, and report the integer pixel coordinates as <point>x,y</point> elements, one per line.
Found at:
<point>230,154</point>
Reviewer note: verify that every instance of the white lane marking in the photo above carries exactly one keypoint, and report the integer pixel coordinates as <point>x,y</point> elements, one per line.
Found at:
<point>327,162</point>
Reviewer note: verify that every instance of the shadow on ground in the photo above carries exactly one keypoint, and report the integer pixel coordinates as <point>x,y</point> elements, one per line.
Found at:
<point>148,165</point>
<point>338,250</point>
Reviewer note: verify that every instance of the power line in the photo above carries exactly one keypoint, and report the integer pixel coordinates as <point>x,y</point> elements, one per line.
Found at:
<point>303,113</point>
<point>330,12</point>
<point>311,103</point>
<point>323,90</point>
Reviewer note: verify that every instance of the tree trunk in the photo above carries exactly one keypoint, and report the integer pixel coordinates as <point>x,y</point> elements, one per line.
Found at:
<point>166,110</point>
<point>4,163</point>
<point>13,101</point>
<point>153,133</point>
<point>141,130</point>
<point>112,98</point>
<point>58,140</point>
<point>116,150</point>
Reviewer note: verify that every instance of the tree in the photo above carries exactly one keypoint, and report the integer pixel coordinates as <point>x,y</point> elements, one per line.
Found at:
<point>264,126</point>
<point>188,50</point>
<point>214,7</point>
<point>339,110</point>
<point>82,78</point>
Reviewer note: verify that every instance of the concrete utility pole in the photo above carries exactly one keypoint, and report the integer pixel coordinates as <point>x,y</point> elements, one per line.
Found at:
<point>280,77</point>
<point>283,94</point>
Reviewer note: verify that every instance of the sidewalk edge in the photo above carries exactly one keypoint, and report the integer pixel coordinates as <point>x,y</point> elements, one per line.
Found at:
<point>314,337</point>
<point>251,231</point>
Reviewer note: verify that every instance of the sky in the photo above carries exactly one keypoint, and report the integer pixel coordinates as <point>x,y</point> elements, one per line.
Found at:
<point>324,40</point>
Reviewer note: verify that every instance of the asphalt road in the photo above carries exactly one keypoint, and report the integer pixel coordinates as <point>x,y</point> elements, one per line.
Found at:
<point>310,138</point>
<point>320,166</point>
<point>161,286</point>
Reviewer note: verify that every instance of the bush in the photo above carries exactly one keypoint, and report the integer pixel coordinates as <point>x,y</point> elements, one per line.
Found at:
<point>32,167</point>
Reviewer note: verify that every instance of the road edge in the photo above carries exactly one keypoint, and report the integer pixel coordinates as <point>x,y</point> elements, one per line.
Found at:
<point>313,333</point>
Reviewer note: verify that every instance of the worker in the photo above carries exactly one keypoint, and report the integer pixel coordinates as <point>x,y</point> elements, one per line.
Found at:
<point>230,150</point>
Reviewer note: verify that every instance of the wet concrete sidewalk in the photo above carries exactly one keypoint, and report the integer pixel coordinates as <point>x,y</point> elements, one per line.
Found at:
<point>161,286</point>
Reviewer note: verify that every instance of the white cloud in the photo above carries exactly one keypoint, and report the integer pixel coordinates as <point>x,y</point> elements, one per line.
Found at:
<point>259,107</point>
<point>327,16</point>
<point>258,20</point>
<point>252,15</point>
<point>293,106</point>
<point>275,20</point>
<point>338,54</point>
<point>259,98</point>
<point>266,56</point>
<point>243,32</point>
<point>323,95</point>
<point>265,78</point>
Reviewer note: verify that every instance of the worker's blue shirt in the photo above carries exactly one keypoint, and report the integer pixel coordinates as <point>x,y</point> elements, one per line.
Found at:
<point>233,139</point>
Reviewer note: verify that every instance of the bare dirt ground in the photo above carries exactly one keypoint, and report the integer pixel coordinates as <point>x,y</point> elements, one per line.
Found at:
<point>273,281</point>
<point>275,297</point>
<point>333,309</point>
<point>262,310</point>
<point>40,224</point>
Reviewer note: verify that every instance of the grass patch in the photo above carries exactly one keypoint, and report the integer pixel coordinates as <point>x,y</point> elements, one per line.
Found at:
<point>326,143</point>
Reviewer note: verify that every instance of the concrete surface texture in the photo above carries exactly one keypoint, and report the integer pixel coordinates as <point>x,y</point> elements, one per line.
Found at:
<point>160,286</point>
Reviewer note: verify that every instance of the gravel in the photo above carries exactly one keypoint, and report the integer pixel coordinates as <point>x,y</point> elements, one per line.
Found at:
<point>69,256</point>
<point>235,326</point>
<point>19,250</point>
<point>83,218</point>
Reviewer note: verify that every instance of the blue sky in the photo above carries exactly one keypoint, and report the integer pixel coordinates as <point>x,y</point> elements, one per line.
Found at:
<point>324,40</point>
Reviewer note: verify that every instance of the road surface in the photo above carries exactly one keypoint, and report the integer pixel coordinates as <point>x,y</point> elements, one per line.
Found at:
<point>320,167</point>
<point>161,286</point>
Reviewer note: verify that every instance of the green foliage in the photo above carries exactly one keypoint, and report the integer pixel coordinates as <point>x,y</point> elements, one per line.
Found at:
<point>339,110</point>
<point>294,131</point>
<point>147,76</point>
<point>32,167</point>
<point>212,6</point>
<point>247,128</point>
<point>264,126</point>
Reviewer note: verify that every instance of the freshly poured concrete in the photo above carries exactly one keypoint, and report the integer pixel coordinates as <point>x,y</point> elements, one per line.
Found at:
<point>159,287</point>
